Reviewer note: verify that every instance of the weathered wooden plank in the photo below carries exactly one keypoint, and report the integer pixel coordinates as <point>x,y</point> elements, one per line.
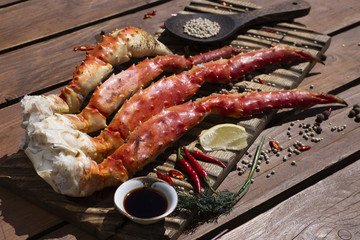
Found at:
<point>69,232</point>
<point>329,209</point>
<point>341,65</point>
<point>327,17</point>
<point>51,17</point>
<point>6,3</point>
<point>14,220</point>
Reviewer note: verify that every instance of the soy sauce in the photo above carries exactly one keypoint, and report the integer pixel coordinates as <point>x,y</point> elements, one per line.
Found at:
<point>145,203</point>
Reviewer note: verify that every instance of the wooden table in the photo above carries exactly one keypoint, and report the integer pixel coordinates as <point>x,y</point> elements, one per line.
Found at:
<point>315,197</point>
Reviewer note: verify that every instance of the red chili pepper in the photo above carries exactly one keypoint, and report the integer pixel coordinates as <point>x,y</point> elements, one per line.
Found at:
<point>164,177</point>
<point>270,31</point>
<point>83,48</point>
<point>303,148</point>
<point>150,14</point>
<point>261,81</point>
<point>176,174</point>
<point>206,158</point>
<point>275,145</point>
<point>186,167</point>
<point>198,168</point>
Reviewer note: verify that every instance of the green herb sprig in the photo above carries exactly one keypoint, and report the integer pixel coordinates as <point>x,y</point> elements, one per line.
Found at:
<point>221,202</point>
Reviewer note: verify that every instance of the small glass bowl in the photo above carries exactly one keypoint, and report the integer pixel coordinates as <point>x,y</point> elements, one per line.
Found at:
<point>140,182</point>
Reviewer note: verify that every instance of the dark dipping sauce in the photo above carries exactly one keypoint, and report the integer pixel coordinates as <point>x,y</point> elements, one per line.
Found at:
<point>145,203</point>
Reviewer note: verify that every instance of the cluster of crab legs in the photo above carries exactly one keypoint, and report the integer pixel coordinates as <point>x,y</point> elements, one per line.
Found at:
<point>150,116</point>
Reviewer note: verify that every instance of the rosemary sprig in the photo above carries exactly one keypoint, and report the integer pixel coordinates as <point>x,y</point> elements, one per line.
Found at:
<point>223,201</point>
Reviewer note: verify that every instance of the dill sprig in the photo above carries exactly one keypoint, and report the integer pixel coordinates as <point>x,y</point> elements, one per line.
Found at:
<point>221,202</point>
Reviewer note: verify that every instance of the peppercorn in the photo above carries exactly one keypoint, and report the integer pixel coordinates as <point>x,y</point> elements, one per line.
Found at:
<point>357,118</point>
<point>356,110</point>
<point>320,117</point>
<point>317,129</point>
<point>352,113</point>
<point>326,114</point>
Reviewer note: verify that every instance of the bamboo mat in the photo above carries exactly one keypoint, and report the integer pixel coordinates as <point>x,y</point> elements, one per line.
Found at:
<point>96,214</point>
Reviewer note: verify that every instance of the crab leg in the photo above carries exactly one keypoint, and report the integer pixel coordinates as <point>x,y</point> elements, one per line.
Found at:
<point>177,88</point>
<point>245,105</point>
<point>116,48</point>
<point>152,137</point>
<point>156,134</point>
<point>71,126</point>
<point>114,91</point>
<point>58,131</point>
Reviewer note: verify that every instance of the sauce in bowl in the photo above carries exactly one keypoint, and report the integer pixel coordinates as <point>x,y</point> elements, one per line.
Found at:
<point>145,202</point>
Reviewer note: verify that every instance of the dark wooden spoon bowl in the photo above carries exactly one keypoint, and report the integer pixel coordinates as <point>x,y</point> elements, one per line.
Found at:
<point>231,23</point>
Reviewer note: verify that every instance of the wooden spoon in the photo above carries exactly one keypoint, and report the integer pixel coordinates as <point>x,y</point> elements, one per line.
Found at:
<point>231,23</point>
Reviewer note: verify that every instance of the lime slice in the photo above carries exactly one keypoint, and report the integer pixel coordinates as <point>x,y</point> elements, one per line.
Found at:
<point>226,136</point>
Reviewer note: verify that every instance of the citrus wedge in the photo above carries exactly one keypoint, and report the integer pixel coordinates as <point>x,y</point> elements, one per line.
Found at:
<point>226,136</point>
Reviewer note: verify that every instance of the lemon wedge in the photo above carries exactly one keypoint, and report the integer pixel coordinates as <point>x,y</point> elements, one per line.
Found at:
<point>226,136</point>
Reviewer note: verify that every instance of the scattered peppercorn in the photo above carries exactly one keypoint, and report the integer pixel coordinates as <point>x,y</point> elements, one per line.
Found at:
<point>317,129</point>
<point>357,118</point>
<point>241,88</point>
<point>327,113</point>
<point>352,114</point>
<point>319,118</point>
<point>356,110</point>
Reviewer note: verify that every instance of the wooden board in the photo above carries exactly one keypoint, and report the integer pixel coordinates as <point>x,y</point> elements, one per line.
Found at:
<point>97,214</point>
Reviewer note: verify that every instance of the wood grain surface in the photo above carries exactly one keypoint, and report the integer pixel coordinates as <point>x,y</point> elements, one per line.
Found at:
<point>73,210</point>
<point>56,17</point>
<point>47,65</point>
<point>327,210</point>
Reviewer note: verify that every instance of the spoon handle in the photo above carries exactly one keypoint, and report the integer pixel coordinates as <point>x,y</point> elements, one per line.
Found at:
<point>278,12</point>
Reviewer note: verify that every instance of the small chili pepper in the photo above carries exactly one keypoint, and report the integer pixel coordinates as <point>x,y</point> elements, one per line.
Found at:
<point>186,167</point>
<point>198,169</point>
<point>274,145</point>
<point>164,177</point>
<point>176,174</point>
<point>206,158</point>
<point>261,81</point>
<point>150,14</point>
<point>303,148</point>
<point>83,48</point>
<point>270,31</point>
